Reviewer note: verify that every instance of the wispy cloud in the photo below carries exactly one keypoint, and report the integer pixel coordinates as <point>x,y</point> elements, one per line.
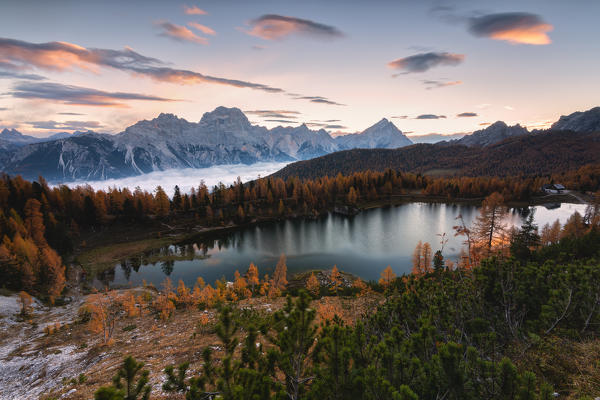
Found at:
<point>514,27</point>
<point>325,125</point>
<point>69,113</point>
<point>430,116</point>
<point>317,99</point>
<point>193,10</point>
<point>509,108</point>
<point>202,28</point>
<point>425,61</point>
<point>66,125</point>
<point>437,84</point>
<point>466,114</point>
<point>179,33</point>
<point>283,121</point>
<point>60,56</point>
<point>77,95</point>
<point>11,71</point>
<point>400,116</point>
<point>285,114</point>
<point>274,27</point>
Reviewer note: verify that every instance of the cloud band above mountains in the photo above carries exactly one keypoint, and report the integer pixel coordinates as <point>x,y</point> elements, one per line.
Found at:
<point>76,95</point>
<point>60,56</point>
<point>20,55</point>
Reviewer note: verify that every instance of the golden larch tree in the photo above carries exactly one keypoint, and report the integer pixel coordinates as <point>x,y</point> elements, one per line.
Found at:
<point>252,276</point>
<point>489,225</point>
<point>336,280</point>
<point>280,274</point>
<point>312,284</point>
<point>416,258</point>
<point>104,309</point>
<point>240,286</point>
<point>387,277</point>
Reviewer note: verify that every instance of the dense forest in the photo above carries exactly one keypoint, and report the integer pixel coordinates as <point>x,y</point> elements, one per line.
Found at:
<point>476,327</point>
<point>540,154</point>
<point>40,224</point>
<point>495,329</point>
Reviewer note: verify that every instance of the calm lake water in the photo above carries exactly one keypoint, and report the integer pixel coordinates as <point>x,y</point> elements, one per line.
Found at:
<point>362,245</point>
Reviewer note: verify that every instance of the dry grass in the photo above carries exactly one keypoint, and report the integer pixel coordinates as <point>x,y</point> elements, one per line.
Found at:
<point>154,342</point>
<point>574,365</point>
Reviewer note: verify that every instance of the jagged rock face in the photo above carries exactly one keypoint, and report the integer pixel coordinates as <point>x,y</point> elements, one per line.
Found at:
<point>76,158</point>
<point>383,134</point>
<point>585,122</point>
<point>301,143</point>
<point>494,133</point>
<point>223,136</point>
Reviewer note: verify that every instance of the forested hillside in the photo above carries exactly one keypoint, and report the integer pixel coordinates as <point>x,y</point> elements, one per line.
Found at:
<point>527,155</point>
<point>40,224</point>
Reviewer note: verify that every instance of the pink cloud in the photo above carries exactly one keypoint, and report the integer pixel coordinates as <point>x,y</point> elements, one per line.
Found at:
<point>202,28</point>
<point>58,56</point>
<point>515,28</point>
<point>193,10</point>
<point>180,33</point>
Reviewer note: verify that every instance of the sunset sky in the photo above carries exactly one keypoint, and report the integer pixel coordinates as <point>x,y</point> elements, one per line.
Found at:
<point>429,66</point>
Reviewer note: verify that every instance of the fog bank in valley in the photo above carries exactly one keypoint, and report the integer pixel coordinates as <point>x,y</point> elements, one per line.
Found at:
<point>187,178</point>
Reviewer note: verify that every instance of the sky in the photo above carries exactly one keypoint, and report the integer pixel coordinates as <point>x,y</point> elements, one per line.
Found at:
<point>442,67</point>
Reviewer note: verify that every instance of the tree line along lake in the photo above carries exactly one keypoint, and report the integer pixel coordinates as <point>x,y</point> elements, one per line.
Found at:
<point>363,245</point>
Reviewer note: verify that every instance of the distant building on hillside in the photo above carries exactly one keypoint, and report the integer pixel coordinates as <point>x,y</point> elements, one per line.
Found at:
<point>554,188</point>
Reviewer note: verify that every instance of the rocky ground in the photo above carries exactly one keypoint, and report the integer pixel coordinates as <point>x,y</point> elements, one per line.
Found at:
<point>72,362</point>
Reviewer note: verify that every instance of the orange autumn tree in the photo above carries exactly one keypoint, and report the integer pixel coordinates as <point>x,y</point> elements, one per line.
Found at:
<point>252,276</point>
<point>164,303</point>
<point>336,280</point>
<point>312,284</point>
<point>184,295</point>
<point>360,286</point>
<point>280,274</point>
<point>52,273</point>
<point>279,281</point>
<point>104,309</point>
<point>328,308</point>
<point>128,302</point>
<point>422,257</point>
<point>387,277</point>
<point>264,285</point>
<point>207,296</point>
<point>240,286</point>
<point>489,226</point>
<point>25,302</point>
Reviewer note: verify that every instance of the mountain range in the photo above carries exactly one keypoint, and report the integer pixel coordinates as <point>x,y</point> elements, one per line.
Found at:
<point>223,136</point>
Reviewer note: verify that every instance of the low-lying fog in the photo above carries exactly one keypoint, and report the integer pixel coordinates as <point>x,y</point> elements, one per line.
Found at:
<point>188,177</point>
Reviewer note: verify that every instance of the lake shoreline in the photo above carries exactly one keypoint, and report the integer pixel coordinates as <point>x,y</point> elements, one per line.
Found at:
<point>109,247</point>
